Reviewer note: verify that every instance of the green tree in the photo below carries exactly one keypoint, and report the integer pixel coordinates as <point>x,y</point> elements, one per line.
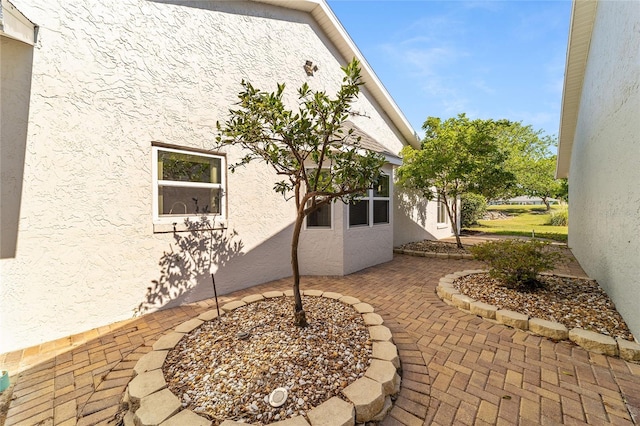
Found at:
<point>531,161</point>
<point>457,156</point>
<point>318,160</point>
<point>537,179</point>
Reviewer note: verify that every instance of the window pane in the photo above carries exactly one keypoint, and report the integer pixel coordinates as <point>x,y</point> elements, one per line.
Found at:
<point>188,167</point>
<point>381,188</point>
<point>380,211</point>
<point>359,213</point>
<point>177,201</point>
<point>320,217</point>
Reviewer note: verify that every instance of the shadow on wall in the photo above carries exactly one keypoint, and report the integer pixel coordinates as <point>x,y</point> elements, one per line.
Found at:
<point>410,218</point>
<point>188,266</point>
<point>16,63</point>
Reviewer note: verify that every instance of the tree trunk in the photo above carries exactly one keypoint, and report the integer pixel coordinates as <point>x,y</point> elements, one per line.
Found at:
<point>300,318</point>
<point>452,212</point>
<point>545,200</point>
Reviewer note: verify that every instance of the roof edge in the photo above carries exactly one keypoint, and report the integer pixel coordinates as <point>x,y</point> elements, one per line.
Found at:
<point>15,25</point>
<point>334,30</point>
<point>583,13</point>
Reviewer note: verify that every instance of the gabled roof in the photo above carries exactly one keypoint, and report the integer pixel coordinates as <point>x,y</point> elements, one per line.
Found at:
<point>583,14</point>
<point>323,14</point>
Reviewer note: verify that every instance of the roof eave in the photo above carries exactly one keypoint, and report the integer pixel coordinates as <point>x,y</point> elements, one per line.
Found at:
<point>583,14</point>
<point>13,24</point>
<point>334,30</point>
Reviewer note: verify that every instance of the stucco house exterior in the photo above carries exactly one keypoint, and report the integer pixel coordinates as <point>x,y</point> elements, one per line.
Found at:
<point>599,147</point>
<point>102,103</point>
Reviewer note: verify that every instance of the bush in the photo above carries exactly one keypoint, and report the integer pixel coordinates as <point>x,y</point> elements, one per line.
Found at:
<point>473,207</point>
<point>560,217</point>
<point>517,263</point>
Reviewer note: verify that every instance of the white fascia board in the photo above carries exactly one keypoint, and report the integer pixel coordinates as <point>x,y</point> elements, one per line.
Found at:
<point>15,25</point>
<point>393,160</point>
<point>583,13</point>
<point>334,30</point>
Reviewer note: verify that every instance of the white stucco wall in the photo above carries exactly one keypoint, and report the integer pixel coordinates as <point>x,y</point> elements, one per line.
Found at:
<point>604,190</point>
<point>417,219</point>
<point>106,82</point>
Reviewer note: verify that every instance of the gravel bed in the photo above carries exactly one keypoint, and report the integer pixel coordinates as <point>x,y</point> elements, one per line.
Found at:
<point>573,302</point>
<point>435,247</point>
<point>219,376</point>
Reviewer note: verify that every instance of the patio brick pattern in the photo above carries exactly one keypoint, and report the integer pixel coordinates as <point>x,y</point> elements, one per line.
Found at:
<point>457,368</point>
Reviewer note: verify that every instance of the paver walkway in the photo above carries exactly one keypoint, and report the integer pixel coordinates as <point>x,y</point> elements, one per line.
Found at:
<point>457,368</point>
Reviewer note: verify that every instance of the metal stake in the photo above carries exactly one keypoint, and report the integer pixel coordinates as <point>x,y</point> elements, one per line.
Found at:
<point>215,294</point>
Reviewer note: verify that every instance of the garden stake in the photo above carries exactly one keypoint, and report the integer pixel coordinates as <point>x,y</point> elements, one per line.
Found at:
<point>215,295</point>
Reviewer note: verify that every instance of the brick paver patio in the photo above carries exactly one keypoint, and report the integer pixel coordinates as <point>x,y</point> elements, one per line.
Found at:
<point>457,368</point>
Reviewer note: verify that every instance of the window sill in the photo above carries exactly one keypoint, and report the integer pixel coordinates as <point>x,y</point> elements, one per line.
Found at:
<point>441,226</point>
<point>166,227</point>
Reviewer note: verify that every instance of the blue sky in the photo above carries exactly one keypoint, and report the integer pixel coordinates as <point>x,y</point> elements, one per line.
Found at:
<point>489,59</point>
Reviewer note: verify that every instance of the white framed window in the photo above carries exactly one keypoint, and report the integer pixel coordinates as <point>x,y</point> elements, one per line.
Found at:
<point>442,212</point>
<point>373,207</point>
<point>187,184</point>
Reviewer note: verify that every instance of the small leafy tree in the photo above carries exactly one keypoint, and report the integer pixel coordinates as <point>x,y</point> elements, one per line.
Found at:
<point>457,156</point>
<point>319,161</point>
<point>517,263</point>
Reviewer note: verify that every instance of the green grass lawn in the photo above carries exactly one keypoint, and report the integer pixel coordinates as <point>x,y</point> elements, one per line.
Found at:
<point>523,220</point>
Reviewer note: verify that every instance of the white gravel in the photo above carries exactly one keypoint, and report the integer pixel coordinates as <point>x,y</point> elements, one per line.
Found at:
<point>573,302</point>
<point>220,376</point>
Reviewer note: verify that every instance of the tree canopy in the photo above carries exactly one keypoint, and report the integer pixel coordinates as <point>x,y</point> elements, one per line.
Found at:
<point>457,156</point>
<point>532,163</point>
<point>319,161</point>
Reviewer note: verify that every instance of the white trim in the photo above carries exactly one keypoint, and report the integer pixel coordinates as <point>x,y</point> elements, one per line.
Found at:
<point>371,199</point>
<point>321,228</point>
<point>15,25</point>
<point>175,221</point>
<point>583,13</point>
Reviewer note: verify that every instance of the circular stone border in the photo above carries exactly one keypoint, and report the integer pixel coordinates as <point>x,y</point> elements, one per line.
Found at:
<point>150,402</point>
<point>589,340</point>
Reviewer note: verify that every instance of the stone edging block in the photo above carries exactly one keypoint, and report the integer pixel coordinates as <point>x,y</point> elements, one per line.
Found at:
<point>461,301</point>
<point>550,329</point>
<point>189,326</point>
<point>512,319</point>
<point>151,402</point>
<point>232,305</point>
<point>253,298</point>
<point>386,351</point>
<point>594,342</point>
<point>589,340</point>
<point>333,412</point>
<point>367,397</point>
<point>629,351</point>
<point>420,253</point>
<point>150,361</point>
<point>485,310</point>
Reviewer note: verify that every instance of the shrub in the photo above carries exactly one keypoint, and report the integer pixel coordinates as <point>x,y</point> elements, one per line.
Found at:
<point>560,217</point>
<point>517,263</point>
<point>473,207</point>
